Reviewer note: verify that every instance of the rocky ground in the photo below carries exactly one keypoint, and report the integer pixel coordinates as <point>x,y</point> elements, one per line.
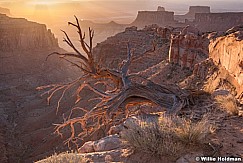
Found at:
<point>226,137</point>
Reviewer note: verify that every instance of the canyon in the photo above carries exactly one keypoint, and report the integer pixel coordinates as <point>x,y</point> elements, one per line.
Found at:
<point>28,35</point>
<point>194,58</point>
<point>218,72</point>
<point>24,46</point>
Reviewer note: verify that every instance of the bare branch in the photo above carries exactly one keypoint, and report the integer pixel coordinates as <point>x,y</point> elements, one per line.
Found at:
<point>80,67</point>
<point>125,67</point>
<point>68,55</point>
<point>69,42</point>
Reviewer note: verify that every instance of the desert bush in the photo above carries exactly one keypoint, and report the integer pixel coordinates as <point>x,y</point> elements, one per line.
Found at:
<point>169,136</point>
<point>227,103</point>
<point>189,132</point>
<point>65,158</point>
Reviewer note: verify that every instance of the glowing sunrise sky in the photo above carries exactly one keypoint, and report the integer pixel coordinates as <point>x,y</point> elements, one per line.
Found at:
<point>56,13</point>
<point>232,4</point>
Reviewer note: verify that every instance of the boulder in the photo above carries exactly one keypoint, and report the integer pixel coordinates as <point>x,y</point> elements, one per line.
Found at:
<point>88,147</point>
<point>105,144</point>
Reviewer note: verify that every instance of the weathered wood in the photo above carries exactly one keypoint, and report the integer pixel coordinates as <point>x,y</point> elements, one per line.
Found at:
<point>170,97</point>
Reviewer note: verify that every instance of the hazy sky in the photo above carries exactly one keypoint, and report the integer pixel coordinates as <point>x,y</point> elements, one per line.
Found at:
<point>181,4</point>
<point>56,13</point>
<point>102,9</point>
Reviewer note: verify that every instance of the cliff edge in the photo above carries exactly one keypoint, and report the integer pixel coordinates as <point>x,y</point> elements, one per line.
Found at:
<point>21,34</point>
<point>25,116</point>
<point>227,53</point>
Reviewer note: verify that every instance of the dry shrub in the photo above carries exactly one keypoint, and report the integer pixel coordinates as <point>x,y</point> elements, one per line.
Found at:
<point>65,158</point>
<point>170,136</point>
<point>189,132</point>
<point>228,104</point>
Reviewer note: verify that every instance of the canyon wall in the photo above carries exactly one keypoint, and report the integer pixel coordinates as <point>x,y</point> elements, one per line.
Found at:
<point>192,12</point>
<point>20,34</point>
<point>197,9</point>
<point>198,16</point>
<point>217,21</point>
<point>26,132</point>
<point>115,47</point>
<point>227,52</point>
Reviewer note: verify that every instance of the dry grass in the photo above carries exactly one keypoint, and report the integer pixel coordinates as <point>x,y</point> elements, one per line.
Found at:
<point>192,133</point>
<point>169,137</point>
<point>65,158</point>
<point>228,104</point>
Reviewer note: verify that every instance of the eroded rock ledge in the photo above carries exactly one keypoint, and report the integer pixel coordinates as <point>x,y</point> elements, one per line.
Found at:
<point>227,53</point>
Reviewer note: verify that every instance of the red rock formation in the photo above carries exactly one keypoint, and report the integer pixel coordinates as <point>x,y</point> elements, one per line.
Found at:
<point>227,52</point>
<point>187,48</point>
<point>164,32</point>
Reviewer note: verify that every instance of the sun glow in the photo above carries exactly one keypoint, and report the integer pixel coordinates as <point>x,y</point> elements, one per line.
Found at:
<point>43,2</point>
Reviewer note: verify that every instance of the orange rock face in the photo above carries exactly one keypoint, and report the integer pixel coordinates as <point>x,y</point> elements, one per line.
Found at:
<point>227,52</point>
<point>187,48</point>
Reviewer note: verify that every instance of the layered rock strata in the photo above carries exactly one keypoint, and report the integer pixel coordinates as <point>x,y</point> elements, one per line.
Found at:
<point>25,117</point>
<point>192,12</point>
<point>20,34</point>
<point>217,21</point>
<point>188,47</point>
<point>161,18</point>
<point>227,53</point>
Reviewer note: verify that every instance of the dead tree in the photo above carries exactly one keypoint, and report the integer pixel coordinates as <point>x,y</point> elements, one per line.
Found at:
<point>86,62</point>
<point>111,104</point>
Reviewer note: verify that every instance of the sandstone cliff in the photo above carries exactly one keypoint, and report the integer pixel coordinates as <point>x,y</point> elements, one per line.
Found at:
<point>26,120</point>
<point>161,18</point>
<point>197,9</point>
<point>227,53</point>
<point>198,16</point>
<point>188,48</point>
<point>192,12</point>
<point>208,22</point>
<point>20,34</point>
